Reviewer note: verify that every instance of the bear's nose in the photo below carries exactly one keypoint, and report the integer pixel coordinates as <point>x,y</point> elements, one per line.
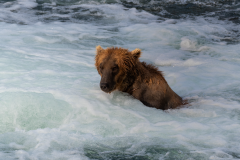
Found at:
<point>104,86</point>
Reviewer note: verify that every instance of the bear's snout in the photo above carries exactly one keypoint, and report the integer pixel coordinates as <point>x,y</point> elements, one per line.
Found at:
<point>107,87</point>
<point>104,86</point>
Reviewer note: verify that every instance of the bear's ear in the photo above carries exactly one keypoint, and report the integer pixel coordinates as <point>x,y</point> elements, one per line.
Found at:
<point>136,53</point>
<point>99,49</point>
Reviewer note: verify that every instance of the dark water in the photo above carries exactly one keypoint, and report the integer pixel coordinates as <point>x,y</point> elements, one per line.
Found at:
<point>51,104</point>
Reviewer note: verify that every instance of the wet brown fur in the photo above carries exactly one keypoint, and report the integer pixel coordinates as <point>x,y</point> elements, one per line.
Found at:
<point>143,81</point>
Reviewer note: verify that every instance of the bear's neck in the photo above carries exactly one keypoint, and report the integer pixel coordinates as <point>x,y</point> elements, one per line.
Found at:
<point>131,79</point>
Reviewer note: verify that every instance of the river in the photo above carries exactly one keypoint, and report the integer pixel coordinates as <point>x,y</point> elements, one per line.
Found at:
<point>51,105</point>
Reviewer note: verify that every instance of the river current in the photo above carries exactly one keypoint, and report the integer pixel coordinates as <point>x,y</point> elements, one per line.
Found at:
<point>51,106</point>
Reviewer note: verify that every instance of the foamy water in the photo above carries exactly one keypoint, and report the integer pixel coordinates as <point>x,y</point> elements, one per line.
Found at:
<point>51,103</point>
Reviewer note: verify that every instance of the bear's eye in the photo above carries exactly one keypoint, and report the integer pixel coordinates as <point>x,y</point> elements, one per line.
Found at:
<point>101,67</point>
<point>115,69</point>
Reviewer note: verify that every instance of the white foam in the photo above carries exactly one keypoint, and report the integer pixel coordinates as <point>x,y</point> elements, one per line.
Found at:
<point>191,45</point>
<point>27,3</point>
<point>52,106</point>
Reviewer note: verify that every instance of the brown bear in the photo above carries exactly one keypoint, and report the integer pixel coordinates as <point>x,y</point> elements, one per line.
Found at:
<point>121,69</point>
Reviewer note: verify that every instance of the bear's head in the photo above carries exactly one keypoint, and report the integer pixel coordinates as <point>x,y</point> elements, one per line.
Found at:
<point>114,65</point>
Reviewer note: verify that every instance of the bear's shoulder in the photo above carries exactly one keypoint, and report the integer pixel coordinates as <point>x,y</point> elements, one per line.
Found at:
<point>151,69</point>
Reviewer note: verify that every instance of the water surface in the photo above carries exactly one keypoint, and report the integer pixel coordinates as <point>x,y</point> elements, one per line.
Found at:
<point>51,103</point>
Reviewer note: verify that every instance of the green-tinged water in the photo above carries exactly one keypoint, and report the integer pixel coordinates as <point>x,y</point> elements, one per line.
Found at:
<point>51,106</point>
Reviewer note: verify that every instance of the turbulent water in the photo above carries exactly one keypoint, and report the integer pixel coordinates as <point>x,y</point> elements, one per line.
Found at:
<point>51,106</point>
